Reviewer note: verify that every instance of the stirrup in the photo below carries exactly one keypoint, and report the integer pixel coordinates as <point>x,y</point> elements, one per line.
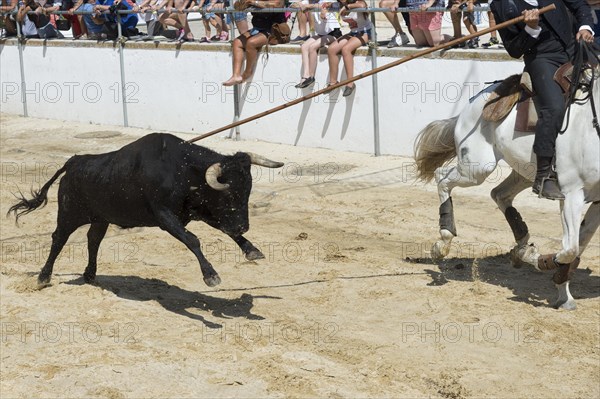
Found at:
<point>539,190</point>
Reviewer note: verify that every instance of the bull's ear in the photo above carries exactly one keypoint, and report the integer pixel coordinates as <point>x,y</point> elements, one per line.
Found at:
<point>256,159</point>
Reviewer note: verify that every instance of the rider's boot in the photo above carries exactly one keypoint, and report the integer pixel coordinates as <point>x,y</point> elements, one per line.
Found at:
<point>546,182</point>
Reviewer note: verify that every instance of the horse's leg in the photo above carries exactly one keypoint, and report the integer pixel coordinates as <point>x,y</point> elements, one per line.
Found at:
<point>583,234</point>
<point>462,175</point>
<point>504,194</point>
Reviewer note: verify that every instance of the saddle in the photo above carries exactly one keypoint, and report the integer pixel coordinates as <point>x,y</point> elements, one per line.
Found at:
<point>515,89</point>
<point>563,77</point>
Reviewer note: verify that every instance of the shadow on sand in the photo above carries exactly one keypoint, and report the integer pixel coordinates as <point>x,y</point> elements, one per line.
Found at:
<point>527,284</point>
<point>177,300</point>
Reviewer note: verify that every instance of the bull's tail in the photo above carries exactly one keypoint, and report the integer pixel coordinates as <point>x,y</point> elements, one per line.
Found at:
<point>434,147</point>
<point>40,197</point>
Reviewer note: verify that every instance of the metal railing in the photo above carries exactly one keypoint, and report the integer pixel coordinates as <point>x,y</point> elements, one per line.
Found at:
<point>120,39</point>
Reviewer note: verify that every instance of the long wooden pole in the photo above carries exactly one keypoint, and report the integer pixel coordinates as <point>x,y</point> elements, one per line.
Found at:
<point>369,73</point>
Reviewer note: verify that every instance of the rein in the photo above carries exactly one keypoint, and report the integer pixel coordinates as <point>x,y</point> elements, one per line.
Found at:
<point>585,58</point>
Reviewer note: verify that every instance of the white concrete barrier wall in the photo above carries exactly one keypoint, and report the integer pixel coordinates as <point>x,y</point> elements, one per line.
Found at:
<point>180,90</point>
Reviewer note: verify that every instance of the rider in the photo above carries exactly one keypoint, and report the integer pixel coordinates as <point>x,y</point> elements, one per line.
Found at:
<point>546,42</point>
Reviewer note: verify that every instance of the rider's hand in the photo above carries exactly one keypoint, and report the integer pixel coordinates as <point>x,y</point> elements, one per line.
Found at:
<point>532,18</point>
<point>585,35</point>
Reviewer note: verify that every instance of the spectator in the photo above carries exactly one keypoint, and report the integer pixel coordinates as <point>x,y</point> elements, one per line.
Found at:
<point>240,18</point>
<point>455,16</point>
<point>76,28</point>
<point>150,8</point>
<point>426,26</point>
<point>223,28</point>
<point>493,35</point>
<point>46,24</point>
<point>79,18</point>
<point>249,43</point>
<point>29,23</point>
<point>175,17</point>
<point>360,33</point>
<point>94,23</point>
<point>208,19</point>
<point>10,25</point>
<point>400,38</point>
<point>468,18</point>
<point>303,19</point>
<point>327,30</point>
<point>128,21</point>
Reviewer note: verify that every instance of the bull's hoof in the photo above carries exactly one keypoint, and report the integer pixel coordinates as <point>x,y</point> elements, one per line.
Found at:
<point>89,279</point>
<point>255,254</point>
<point>439,250</point>
<point>43,282</point>
<point>566,305</point>
<point>213,281</point>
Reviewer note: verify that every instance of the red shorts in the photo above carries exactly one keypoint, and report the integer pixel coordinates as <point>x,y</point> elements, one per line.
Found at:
<point>426,20</point>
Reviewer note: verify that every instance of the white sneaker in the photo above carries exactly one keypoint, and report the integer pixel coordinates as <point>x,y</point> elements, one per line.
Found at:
<point>404,38</point>
<point>399,39</point>
<point>393,41</point>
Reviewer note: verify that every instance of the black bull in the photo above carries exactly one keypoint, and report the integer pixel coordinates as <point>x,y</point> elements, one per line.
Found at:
<point>158,180</point>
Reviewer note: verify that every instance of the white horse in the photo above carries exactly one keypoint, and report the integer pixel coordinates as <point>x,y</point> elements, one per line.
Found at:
<point>478,145</point>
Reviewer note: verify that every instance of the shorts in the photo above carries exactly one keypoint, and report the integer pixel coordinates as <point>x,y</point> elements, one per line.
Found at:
<point>254,32</point>
<point>336,33</point>
<point>470,16</point>
<point>360,33</point>
<point>426,20</point>
<point>207,15</point>
<point>237,16</point>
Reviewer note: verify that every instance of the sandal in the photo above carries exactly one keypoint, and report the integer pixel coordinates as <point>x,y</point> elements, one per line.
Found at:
<point>305,82</point>
<point>331,84</point>
<point>348,90</point>
<point>224,36</point>
<point>205,40</point>
<point>215,38</point>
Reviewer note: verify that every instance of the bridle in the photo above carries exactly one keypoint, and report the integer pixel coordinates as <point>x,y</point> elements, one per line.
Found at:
<point>585,59</point>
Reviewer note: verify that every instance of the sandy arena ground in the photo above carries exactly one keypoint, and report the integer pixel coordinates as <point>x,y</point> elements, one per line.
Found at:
<point>346,304</point>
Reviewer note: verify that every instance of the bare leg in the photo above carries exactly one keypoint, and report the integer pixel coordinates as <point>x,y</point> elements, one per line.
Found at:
<point>302,20</point>
<point>494,33</point>
<point>238,59</point>
<point>433,37</point>
<point>253,45</point>
<point>419,36</point>
<point>306,50</point>
<point>391,16</point>
<point>348,54</point>
<point>333,59</point>
<point>456,25</point>
<point>314,53</point>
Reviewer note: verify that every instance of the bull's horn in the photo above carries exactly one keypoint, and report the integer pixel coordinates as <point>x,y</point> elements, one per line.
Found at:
<point>262,161</point>
<point>212,174</point>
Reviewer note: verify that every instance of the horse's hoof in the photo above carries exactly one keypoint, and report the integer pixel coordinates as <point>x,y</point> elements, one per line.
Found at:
<point>254,255</point>
<point>524,255</point>
<point>566,305</point>
<point>213,280</point>
<point>439,250</point>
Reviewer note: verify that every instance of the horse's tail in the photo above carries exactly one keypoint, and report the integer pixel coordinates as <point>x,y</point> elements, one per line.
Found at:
<point>434,147</point>
<point>40,197</point>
